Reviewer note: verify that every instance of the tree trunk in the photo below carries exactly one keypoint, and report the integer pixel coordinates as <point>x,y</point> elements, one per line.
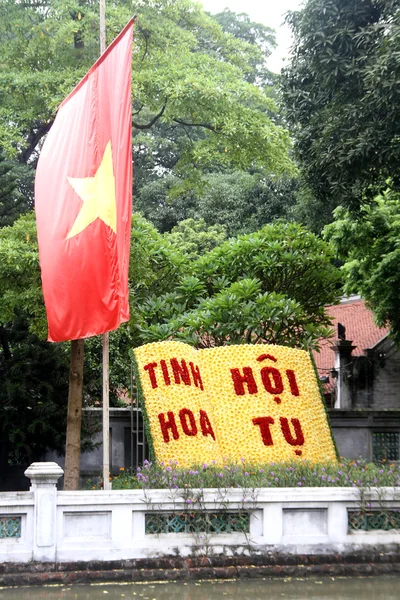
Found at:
<point>74,417</point>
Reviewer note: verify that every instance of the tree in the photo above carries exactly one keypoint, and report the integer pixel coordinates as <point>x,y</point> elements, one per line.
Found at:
<point>156,203</point>
<point>20,284</point>
<point>240,201</point>
<point>269,286</point>
<point>368,244</point>
<point>342,97</point>
<point>244,202</point>
<point>255,34</point>
<point>194,238</point>
<point>187,73</point>
<point>33,393</point>
<point>158,151</point>
<point>12,203</point>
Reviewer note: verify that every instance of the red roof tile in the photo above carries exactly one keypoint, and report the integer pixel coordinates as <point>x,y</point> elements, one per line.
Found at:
<point>360,329</point>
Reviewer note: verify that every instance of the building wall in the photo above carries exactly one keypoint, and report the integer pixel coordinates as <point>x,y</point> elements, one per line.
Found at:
<point>371,380</point>
<point>386,384</point>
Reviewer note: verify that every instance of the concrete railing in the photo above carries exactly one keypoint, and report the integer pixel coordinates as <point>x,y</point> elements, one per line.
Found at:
<point>46,525</point>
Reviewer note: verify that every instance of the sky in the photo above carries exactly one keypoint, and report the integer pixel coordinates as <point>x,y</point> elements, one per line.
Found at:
<point>268,12</point>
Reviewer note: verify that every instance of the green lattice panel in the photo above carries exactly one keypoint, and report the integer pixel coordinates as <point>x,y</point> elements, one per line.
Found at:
<point>197,522</point>
<point>386,446</point>
<point>374,520</point>
<point>10,527</point>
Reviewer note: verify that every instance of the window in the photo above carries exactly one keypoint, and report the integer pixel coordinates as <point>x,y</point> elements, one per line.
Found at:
<point>386,446</point>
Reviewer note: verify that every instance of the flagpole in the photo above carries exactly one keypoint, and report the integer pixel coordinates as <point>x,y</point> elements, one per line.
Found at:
<point>106,415</point>
<point>102,26</point>
<point>106,385</point>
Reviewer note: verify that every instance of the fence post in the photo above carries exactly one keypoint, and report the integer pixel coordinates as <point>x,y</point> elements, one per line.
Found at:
<point>44,477</point>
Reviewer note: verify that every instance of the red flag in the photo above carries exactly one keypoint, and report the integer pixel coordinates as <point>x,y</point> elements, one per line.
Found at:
<point>83,200</point>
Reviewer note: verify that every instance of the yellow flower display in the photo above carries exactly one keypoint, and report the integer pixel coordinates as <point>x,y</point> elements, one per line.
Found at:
<point>260,403</point>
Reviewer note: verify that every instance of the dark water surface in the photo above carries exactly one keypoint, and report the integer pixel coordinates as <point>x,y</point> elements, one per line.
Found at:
<point>352,588</point>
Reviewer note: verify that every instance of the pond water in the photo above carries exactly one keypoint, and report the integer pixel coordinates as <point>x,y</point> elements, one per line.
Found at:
<point>349,588</point>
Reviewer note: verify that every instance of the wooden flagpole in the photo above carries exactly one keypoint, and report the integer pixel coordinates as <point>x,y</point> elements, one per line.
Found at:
<point>106,375</point>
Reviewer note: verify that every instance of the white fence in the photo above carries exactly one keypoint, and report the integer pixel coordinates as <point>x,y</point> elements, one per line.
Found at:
<point>46,525</point>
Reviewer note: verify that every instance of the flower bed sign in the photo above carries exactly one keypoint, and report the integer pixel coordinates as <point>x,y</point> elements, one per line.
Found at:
<point>258,402</point>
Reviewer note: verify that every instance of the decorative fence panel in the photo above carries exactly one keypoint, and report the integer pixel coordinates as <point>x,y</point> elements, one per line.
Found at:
<point>46,525</point>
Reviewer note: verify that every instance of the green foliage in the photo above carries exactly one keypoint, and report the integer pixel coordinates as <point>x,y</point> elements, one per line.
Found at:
<point>243,202</point>
<point>12,203</point>
<point>155,263</point>
<point>270,286</point>
<point>255,34</point>
<point>368,244</point>
<point>155,202</point>
<point>187,73</point>
<point>239,201</point>
<point>342,97</point>
<point>41,59</point>
<point>309,210</point>
<point>194,238</point>
<point>20,284</point>
<point>33,393</point>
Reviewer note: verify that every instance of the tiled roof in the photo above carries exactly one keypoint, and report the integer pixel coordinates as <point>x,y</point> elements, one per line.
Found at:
<point>360,329</point>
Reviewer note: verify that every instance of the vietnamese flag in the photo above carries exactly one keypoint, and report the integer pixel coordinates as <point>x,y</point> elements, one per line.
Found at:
<point>83,200</point>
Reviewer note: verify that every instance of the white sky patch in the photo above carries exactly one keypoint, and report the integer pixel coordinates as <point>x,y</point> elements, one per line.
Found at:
<point>268,12</point>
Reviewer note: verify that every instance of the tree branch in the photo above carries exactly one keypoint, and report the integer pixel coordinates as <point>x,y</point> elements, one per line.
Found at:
<point>34,138</point>
<point>146,36</point>
<point>151,123</point>
<point>204,125</point>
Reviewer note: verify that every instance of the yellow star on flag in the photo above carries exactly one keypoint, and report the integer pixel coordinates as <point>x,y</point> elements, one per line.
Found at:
<point>98,195</point>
